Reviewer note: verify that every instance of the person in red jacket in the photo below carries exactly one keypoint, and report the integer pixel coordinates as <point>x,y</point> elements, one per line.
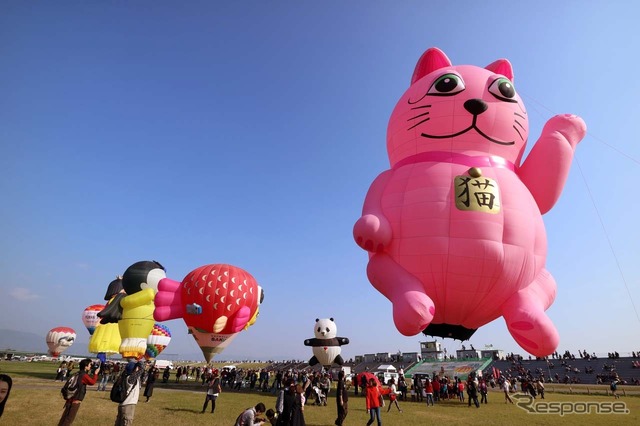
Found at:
<point>436,389</point>
<point>428,390</point>
<point>374,401</point>
<point>72,405</point>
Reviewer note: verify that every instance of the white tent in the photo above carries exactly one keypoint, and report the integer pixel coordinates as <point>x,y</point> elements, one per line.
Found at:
<point>387,368</point>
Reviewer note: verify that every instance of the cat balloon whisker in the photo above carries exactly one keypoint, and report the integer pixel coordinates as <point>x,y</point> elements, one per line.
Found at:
<point>422,106</point>
<point>418,116</point>
<point>518,132</point>
<point>419,123</point>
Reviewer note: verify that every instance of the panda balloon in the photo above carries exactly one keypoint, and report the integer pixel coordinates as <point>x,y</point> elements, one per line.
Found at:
<point>326,346</point>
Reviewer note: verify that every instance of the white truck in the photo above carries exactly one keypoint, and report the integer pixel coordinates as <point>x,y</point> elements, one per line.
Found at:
<point>164,363</point>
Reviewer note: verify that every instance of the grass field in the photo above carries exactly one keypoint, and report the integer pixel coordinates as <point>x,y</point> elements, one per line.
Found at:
<point>35,400</point>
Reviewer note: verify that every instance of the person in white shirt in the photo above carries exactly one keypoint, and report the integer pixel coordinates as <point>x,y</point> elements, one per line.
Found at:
<point>506,387</point>
<point>249,417</point>
<point>127,408</point>
<point>393,395</point>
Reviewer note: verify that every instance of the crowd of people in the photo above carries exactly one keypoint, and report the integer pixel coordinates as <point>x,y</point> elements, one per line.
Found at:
<point>296,388</point>
<point>567,373</point>
<point>134,374</point>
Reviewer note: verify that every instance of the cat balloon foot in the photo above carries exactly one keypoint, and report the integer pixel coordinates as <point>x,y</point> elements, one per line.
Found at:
<point>533,331</point>
<point>412,312</point>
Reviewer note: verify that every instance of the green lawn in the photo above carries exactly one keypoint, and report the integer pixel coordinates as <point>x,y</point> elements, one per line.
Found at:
<point>35,400</point>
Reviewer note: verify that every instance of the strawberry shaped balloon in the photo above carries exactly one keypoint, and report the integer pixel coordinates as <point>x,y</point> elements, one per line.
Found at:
<point>216,302</point>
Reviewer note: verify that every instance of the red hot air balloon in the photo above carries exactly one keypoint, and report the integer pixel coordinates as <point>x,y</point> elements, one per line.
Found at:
<point>216,302</point>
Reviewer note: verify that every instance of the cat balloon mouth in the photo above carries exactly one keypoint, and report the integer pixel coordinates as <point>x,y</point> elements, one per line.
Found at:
<point>471,127</point>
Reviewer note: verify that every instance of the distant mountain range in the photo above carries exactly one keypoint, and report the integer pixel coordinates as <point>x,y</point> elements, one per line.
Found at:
<point>20,341</point>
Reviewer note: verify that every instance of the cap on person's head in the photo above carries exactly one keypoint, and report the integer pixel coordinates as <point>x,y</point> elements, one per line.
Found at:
<point>130,367</point>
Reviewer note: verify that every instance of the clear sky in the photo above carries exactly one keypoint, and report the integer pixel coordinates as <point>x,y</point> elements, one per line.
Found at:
<point>249,132</point>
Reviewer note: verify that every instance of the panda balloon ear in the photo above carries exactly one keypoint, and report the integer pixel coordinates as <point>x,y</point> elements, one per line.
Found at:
<point>317,319</point>
<point>331,319</point>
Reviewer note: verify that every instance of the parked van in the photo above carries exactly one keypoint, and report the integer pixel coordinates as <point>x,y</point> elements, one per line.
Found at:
<point>386,373</point>
<point>164,363</point>
<point>385,376</point>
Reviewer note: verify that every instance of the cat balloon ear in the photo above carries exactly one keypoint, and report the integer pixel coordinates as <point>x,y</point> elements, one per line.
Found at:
<point>431,60</point>
<point>503,67</point>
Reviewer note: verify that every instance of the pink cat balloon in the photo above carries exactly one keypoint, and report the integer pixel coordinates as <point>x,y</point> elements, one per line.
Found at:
<point>454,229</point>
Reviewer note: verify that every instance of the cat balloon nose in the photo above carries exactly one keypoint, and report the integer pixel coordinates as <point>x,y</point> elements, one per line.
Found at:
<point>476,106</point>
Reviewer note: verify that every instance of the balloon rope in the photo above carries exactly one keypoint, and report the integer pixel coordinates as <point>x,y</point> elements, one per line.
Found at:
<point>595,207</point>
<point>588,132</point>
<point>626,285</point>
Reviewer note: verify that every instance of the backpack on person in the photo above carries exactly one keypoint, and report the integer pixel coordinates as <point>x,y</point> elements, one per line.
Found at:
<point>120,389</point>
<point>71,387</point>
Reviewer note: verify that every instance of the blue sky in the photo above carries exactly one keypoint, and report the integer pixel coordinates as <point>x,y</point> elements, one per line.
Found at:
<point>249,132</point>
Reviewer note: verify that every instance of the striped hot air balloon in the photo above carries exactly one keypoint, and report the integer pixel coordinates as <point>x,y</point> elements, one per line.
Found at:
<point>90,317</point>
<point>157,341</point>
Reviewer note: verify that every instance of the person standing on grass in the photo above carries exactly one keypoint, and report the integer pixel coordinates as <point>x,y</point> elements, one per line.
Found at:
<point>297,412</point>
<point>506,387</point>
<point>540,388</point>
<point>152,376</point>
<point>284,403</point>
<point>373,399</point>
<point>342,399</point>
<point>428,391</point>
<point>62,371</point>
<point>472,391</point>
<point>482,386</point>
<point>127,408</point>
<point>72,405</point>
<point>166,374</point>
<point>614,387</point>
<point>213,391</point>
<point>393,395</point>
<point>105,372</point>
